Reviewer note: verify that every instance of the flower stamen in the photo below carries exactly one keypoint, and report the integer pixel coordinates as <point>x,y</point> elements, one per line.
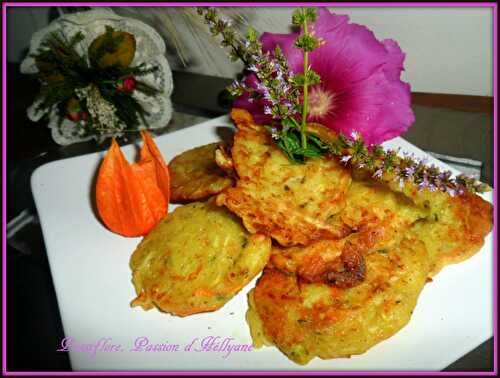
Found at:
<point>321,103</point>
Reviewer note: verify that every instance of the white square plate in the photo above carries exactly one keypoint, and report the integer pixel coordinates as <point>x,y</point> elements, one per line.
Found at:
<point>90,269</point>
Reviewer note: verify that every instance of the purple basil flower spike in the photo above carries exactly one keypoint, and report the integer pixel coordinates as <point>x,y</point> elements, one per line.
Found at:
<point>409,171</point>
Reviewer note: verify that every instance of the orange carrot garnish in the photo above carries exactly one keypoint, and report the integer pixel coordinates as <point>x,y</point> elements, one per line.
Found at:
<point>132,198</point>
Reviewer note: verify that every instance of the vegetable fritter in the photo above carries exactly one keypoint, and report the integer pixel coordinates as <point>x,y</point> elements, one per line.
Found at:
<point>290,202</point>
<point>305,320</point>
<point>455,228</point>
<point>195,175</point>
<point>372,205</point>
<point>195,260</point>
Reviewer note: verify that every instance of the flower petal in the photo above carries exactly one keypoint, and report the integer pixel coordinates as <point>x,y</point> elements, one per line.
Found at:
<point>327,22</point>
<point>394,60</point>
<point>375,107</point>
<point>361,74</point>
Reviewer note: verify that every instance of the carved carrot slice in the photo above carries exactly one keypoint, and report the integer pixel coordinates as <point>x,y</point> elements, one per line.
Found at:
<point>150,150</point>
<point>131,199</point>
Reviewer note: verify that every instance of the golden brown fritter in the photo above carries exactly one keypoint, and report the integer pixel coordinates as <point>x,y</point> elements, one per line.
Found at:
<point>372,205</point>
<point>305,320</point>
<point>455,229</point>
<point>290,202</point>
<point>195,260</point>
<point>376,217</point>
<point>194,175</point>
<point>338,263</point>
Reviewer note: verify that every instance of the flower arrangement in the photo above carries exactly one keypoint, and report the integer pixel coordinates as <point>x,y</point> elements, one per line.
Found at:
<point>337,74</point>
<point>94,91</point>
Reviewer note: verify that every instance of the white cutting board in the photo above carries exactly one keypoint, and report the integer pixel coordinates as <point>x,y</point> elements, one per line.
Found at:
<point>92,279</point>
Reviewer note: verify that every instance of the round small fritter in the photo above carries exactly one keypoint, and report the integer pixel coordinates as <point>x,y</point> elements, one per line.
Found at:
<point>194,175</point>
<point>455,229</point>
<point>292,203</point>
<point>306,320</point>
<point>195,260</point>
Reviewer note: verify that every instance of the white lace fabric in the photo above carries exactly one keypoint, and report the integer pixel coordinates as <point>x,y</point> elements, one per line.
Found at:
<point>150,50</point>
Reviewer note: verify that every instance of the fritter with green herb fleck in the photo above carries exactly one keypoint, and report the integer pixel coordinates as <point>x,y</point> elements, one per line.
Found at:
<point>290,202</point>
<point>195,260</point>
<point>455,228</point>
<point>313,319</point>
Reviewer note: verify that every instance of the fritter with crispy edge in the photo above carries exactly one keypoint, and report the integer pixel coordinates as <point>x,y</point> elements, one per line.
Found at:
<point>306,320</point>
<point>339,263</point>
<point>455,229</point>
<point>195,260</point>
<point>376,217</point>
<point>370,204</point>
<point>194,175</point>
<point>290,202</point>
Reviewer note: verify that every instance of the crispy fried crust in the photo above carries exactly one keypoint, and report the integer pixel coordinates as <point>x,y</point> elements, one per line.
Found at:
<point>322,256</point>
<point>305,320</point>
<point>372,205</point>
<point>290,202</point>
<point>195,175</point>
<point>377,217</point>
<point>224,160</point>
<point>196,260</point>
<point>455,229</point>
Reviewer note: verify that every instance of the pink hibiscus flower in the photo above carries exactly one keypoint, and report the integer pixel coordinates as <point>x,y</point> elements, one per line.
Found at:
<point>360,89</point>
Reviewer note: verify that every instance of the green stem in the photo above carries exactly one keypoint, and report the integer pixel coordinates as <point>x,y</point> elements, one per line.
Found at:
<point>295,122</point>
<point>304,106</point>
